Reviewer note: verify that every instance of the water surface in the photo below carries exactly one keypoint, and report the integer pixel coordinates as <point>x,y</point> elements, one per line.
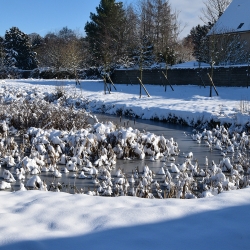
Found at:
<point>181,134</point>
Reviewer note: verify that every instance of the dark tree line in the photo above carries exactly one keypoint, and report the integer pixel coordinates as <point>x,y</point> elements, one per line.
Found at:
<point>143,33</point>
<point>64,49</point>
<point>140,34</point>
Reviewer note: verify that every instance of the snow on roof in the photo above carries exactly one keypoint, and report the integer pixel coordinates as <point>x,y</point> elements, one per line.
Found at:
<point>236,18</point>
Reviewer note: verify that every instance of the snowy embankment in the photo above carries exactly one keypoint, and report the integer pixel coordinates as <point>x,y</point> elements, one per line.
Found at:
<point>186,104</point>
<point>46,220</point>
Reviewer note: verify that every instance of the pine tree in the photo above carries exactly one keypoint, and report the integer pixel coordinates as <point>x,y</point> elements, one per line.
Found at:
<point>169,56</point>
<point>1,52</point>
<point>143,55</point>
<point>105,31</point>
<point>18,52</point>
<point>200,41</point>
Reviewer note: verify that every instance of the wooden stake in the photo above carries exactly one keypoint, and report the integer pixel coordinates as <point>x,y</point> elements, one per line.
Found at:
<point>167,81</point>
<point>141,84</point>
<point>105,86</point>
<point>212,84</point>
<point>111,82</point>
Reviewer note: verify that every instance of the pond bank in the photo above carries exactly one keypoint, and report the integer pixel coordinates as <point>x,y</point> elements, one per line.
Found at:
<point>187,104</point>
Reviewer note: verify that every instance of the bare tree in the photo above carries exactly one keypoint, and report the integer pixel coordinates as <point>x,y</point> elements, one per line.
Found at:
<point>159,23</point>
<point>213,9</point>
<point>62,50</point>
<point>185,50</point>
<point>35,40</point>
<point>131,36</point>
<point>74,54</point>
<point>227,47</point>
<point>50,54</point>
<point>167,26</point>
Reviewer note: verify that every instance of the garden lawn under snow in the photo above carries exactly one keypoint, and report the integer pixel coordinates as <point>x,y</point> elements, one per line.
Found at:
<point>187,103</point>
<point>47,220</point>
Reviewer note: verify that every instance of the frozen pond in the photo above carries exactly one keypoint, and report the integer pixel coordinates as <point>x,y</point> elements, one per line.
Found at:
<point>181,134</point>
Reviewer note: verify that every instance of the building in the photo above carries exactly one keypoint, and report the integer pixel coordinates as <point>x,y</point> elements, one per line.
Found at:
<point>235,20</point>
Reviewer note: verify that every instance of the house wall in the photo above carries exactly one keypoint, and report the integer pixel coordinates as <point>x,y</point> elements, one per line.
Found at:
<point>246,37</point>
<point>222,76</point>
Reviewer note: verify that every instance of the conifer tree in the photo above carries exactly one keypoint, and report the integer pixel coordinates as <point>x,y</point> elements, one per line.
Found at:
<point>200,41</point>
<point>105,31</point>
<point>169,56</point>
<point>18,52</point>
<point>143,53</point>
<point>1,52</point>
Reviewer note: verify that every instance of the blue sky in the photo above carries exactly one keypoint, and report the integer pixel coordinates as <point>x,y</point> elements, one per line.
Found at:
<point>42,16</point>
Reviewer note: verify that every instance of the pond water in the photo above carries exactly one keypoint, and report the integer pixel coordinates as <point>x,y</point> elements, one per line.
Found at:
<point>181,134</point>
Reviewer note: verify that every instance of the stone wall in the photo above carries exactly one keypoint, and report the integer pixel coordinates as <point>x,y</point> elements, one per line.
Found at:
<point>222,76</point>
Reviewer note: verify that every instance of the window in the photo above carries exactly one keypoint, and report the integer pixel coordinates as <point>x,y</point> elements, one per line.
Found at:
<point>240,26</point>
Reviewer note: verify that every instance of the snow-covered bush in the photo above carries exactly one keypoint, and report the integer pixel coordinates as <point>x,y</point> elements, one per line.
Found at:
<point>42,114</point>
<point>10,72</point>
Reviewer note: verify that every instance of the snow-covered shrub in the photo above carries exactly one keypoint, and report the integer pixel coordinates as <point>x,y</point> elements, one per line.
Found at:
<point>41,113</point>
<point>60,92</point>
<point>47,74</point>
<point>10,72</point>
<point>64,74</point>
<point>93,73</point>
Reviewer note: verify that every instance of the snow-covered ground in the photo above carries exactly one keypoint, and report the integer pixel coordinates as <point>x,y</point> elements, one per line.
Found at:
<point>188,103</point>
<point>48,220</point>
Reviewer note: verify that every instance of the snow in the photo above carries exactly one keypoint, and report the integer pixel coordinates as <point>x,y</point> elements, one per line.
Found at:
<point>236,13</point>
<point>190,65</point>
<point>45,220</point>
<point>188,103</point>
